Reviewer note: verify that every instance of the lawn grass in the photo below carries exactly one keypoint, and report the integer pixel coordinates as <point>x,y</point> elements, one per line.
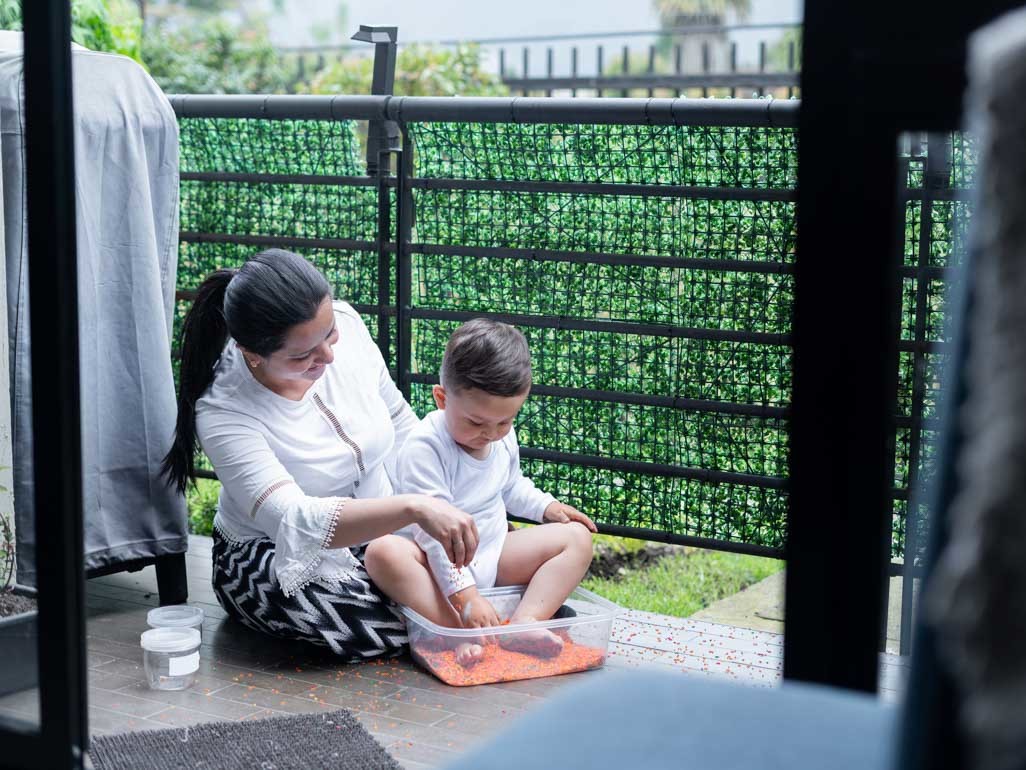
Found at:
<point>685,582</point>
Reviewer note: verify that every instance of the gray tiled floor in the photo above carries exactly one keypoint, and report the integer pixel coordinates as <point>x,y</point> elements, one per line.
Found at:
<point>421,721</point>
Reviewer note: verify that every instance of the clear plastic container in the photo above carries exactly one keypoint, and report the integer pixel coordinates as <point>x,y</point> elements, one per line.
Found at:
<point>171,657</point>
<point>176,616</point>
<point>510,652</point>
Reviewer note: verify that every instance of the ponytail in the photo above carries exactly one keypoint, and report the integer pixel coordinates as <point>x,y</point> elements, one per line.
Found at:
<point>271,293</point>
<point>204,336</point>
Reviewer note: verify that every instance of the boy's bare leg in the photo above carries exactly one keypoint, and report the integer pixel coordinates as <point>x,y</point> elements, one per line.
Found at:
<point>400,569</point>
<point>551,559</point>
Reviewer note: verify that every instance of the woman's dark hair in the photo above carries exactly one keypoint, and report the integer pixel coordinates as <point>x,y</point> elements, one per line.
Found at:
<point>256,305</point>
<point>487,355</point>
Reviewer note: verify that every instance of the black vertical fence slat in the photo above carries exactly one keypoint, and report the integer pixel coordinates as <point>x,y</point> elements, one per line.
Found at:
<point>706,66</point>
<point>651,67</point>
<point>626,67</point>
<point>549,68</point>
<point>733,66</point>
<point>526,66</point>
<point>678,62</point>
<point>573,68</point>
<point>599,64</point>
<point>762,63</point>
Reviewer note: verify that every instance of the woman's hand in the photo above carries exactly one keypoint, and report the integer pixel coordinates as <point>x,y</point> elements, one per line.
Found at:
<point>562,513</point>
<point>450,526</point>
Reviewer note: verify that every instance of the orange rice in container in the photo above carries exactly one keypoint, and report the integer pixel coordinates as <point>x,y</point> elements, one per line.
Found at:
<point>585,637</point>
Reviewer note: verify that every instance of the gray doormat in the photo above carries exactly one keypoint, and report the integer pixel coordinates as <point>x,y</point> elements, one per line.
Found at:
<point>331,740</point>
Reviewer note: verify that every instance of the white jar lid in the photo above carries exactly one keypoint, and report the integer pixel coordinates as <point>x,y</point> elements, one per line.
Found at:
<point>170,639</point>
<point>174,616</point>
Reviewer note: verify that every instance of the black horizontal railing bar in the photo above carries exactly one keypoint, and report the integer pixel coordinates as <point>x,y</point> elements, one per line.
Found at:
<point>617,327</point>
<point>922,346</point>
<point>609,188</point>
<point>348,244</point>
<point>603,258</point>
<point>188,295</point>
<point>939,194</point>
<point>658,80</point>
<point>753,113</point>
<point>303,179</point>
<point>935,272</point>
<point>929,423</point>
<point>642,399</point>
<point>655,469</point>
<point>425,183</point>
<point>655,535</point>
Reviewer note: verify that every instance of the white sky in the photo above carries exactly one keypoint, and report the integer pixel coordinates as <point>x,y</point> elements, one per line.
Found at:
<point>449,19</point>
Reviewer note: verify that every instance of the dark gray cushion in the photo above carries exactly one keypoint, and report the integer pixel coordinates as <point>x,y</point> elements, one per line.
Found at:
<point>628,720</point>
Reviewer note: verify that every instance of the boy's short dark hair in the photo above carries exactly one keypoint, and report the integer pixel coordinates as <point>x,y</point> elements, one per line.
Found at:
<point>487,355</point>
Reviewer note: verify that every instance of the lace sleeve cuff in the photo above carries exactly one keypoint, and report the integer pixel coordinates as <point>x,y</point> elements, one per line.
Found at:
<point>301,542</point>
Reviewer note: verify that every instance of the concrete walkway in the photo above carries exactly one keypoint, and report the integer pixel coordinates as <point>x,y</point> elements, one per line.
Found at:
<point>761,607</point>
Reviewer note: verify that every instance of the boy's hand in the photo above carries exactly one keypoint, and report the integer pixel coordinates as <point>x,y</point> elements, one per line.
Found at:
<point>474,610</point>
<point>561,513</point>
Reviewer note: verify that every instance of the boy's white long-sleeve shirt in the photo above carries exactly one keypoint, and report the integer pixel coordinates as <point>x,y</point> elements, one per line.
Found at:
<point>431,463</point>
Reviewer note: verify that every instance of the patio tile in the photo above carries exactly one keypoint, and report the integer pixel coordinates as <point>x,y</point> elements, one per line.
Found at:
<point>124,703</point>
<point>109,722</point>
<point>261,698</point>
<point>192,700</point>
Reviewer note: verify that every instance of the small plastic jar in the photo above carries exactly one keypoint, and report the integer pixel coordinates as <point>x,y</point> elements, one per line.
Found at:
<point>171,657</point>
<point>176,616</point>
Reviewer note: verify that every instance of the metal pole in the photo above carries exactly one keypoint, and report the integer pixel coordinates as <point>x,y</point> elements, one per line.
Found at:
<point>381,135</point>
<point>56,410</point>
<point>598,69</point>
<point>626,67</point>
<point>384,238</point>
<point>404,266</point>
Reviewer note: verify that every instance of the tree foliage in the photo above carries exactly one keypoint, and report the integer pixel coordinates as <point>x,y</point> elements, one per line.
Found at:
<point>100,25</point>
<point>420,71</point>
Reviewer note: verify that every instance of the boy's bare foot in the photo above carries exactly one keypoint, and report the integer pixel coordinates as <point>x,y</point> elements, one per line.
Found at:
<point>468,653</point>
<point>540,642</point>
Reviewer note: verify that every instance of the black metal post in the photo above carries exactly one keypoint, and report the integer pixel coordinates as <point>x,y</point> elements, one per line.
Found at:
<point>404,265</point>
<point>502,63</point>
<point>57,443</point>
<point>381,135</point>
<point>790,66</point>
<point>835,567</point>
<point>384,239</point>
<point>598,68</point>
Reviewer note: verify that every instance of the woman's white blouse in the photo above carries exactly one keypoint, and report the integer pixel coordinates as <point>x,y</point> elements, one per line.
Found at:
<point>287,467</point>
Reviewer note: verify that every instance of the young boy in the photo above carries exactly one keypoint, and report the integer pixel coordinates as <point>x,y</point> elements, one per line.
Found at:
<point>466,453</point>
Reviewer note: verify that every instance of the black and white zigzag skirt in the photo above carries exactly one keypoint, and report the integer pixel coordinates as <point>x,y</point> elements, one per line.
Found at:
<point>351,617</point>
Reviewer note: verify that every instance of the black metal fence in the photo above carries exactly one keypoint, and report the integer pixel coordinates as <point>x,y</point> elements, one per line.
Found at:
<point>645,247</point>
<point>707,58</point>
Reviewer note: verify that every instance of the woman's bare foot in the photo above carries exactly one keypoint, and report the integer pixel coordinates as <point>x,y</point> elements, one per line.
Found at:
<point>469,653</point>
<point>540,642</point>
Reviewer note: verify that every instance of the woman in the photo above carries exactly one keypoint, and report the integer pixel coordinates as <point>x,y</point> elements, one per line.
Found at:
<point>290,399</point>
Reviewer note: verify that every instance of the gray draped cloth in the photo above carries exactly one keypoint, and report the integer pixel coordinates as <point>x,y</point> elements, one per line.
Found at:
<point>978,596</point>
<point>126,180</point>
